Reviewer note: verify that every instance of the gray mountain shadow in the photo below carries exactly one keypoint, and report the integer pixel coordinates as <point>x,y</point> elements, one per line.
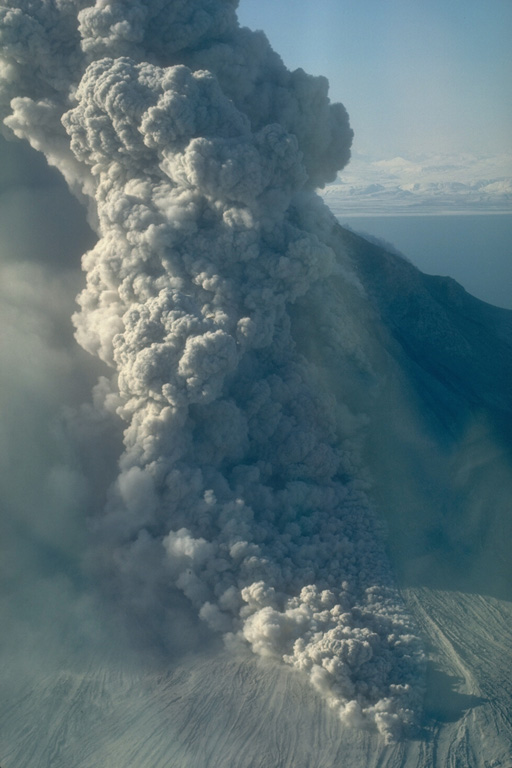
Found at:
<point>444,480</point>
<point>443,703</point>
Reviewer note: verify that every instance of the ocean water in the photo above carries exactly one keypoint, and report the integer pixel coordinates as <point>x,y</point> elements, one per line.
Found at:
<point>474,250</point>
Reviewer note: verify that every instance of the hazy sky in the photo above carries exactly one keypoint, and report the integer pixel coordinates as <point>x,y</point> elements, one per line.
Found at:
<point>416,76</point>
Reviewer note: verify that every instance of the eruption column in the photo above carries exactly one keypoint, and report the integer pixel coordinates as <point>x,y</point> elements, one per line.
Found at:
<point>198,153</point>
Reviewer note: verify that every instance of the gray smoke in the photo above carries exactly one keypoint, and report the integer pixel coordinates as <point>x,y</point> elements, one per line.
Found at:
<point>241,482</point>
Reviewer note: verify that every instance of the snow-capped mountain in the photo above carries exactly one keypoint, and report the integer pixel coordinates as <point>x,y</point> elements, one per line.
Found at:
<point>421,186</point>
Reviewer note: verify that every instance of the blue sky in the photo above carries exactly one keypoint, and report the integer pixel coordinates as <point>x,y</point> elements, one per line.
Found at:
<point>428,87</point>
<point>416,76</point>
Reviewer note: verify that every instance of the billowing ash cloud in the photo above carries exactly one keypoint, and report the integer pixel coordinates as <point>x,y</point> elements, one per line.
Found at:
<point>197,152</point>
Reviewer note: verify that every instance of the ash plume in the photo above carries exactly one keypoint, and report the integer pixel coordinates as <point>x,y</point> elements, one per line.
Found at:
<point>197,153</point>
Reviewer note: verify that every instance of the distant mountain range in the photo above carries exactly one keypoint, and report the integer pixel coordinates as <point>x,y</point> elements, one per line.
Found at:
<point>422,186</point>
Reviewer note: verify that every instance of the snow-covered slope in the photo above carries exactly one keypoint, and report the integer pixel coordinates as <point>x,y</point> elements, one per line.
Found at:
<point>221,712</point>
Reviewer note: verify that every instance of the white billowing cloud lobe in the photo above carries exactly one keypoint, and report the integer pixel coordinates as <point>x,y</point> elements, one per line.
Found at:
<point>197,153</point>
